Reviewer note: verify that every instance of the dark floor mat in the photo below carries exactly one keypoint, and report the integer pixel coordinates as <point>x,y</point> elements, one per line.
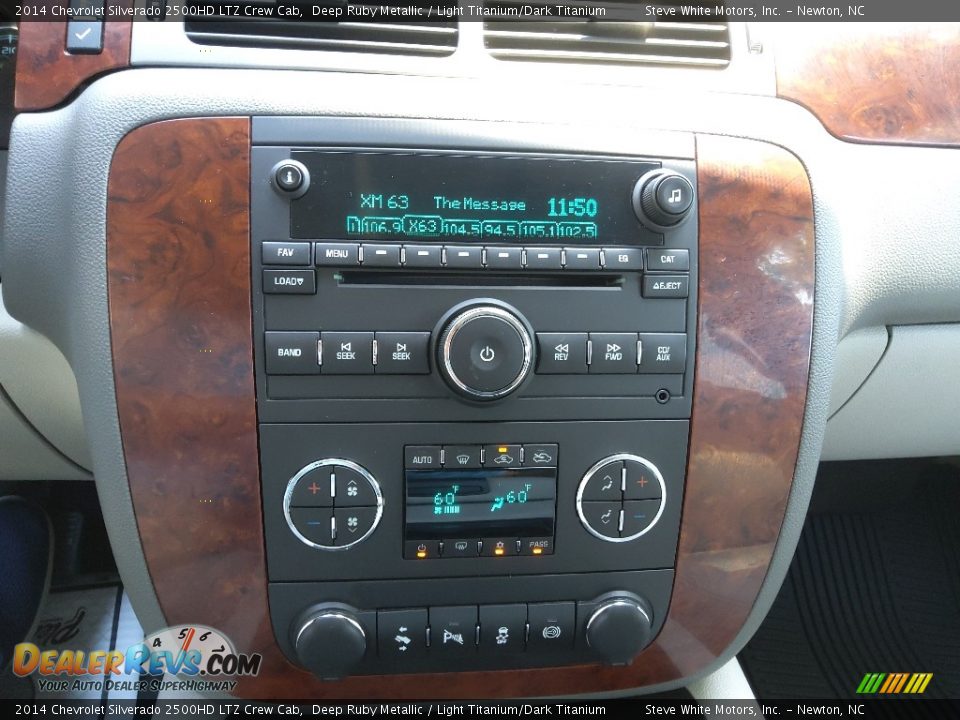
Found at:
<point>874,586</point>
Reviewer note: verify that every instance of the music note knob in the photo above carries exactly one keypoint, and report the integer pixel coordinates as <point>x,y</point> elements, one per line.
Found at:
<point>662,198</point>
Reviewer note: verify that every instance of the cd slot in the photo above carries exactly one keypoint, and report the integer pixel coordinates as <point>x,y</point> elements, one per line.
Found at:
<point>484,278</point>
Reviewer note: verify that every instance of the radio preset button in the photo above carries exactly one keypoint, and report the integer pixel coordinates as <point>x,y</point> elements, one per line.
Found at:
<point>461,456</point>
<point>337,254</point>
<point>552,625</point>
<point>501,456</point>
<point>503,628</point>
<point>663,352</point>
<point>422,256</point>
<point>464,256</point>
<point>504,258</point>
<point>453,629</point>
<point>661,259</point>
<point>581,258</point>
<point>289,282</point>
<point>540,455</point>
<point>291,353</point>
<point>623,258</point>
<point>402,634</point>
<point>613,353</point>
<point>285,253</point>
<point>352,523</point>
<point>403,353</point>
<point>666,286</point>
<point>544,258</point>
<point>603,517</point>
<point>421,457</point>
<point>387,256</point>
<point>346,353</point>
<point>638,515</point>
<point>562,353</point>
<point>605,484</point>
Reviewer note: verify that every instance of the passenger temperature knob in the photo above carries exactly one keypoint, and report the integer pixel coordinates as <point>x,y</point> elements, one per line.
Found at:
<point>620,627</point>
<point>329,640</point>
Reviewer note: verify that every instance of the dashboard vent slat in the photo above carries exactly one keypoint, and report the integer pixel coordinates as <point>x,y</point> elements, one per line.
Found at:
<point>701,42</point>
<point>394,34</point>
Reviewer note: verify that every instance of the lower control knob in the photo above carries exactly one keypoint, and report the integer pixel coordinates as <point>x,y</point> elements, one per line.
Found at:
<point>329,640</point>
<point>485,352</point>
<point>619,628</point>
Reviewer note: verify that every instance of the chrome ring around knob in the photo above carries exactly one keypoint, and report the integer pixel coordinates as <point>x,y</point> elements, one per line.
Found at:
<point>618,644</point>
<point>458,323</point>
<point>329,641</point>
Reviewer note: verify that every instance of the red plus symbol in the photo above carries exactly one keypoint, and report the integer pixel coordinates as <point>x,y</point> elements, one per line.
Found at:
<point>314,488</point>
<point>642,481</point>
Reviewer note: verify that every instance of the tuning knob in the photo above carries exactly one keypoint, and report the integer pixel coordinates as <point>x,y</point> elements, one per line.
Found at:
<point>329,640</point>
<point>485,351</point>
<point>620,627</point>
<point>662,198</point>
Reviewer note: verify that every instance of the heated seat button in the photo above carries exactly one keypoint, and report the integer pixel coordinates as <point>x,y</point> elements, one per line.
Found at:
<point>453,630</point>
<point>562,353</point>
<point>352,488</point>
<point>289,282</point>
<point>291,353</point>
<point>503,628</point>
<point>403,353</point>
<point>603,518</point>
<point>551,626</point>
<point>605,484</point>
<point>347,353</point>
<point>402,634</point>
<point>613,353</point>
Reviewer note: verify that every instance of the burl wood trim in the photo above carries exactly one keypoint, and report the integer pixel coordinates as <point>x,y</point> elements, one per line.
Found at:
<point>47,73</point>
<point>179,283</point>
<point>875,82</point>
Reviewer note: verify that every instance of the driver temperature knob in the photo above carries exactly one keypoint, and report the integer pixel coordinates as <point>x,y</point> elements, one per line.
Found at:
<point>329,640</point>
<point>620,627</point>
<point>485,351</point>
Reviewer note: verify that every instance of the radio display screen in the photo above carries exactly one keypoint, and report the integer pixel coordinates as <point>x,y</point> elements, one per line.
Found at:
<point>480,503</point>
<point>467,198</point>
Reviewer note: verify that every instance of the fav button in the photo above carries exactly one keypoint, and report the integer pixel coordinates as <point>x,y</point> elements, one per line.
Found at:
<point>285,253</point>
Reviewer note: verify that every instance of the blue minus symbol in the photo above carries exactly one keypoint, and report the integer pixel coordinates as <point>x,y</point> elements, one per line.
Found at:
<point>314,522</point>
<point>641,516</point>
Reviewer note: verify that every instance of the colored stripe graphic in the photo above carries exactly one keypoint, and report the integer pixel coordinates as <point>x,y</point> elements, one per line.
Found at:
<point>894,683</point>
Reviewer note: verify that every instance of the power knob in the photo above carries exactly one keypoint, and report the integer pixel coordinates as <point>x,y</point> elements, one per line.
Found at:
<point>662,198</point>
<point>485,350</point>
<point>329,640</point>
<point>620,627</point>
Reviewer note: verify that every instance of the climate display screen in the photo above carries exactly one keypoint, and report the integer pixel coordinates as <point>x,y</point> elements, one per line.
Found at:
<point>467,198</point>
<point>479,503</point>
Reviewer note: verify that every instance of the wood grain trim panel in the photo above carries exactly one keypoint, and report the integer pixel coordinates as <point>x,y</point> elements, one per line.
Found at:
<point>875,82</point>
<point>179,286</point>
<point>47,73</point>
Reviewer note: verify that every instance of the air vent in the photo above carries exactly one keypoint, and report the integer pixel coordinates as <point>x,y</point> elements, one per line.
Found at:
<point>700,41</point>
<point>383,32</point>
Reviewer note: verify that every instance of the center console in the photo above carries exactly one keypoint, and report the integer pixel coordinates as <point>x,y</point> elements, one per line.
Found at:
<point>474,372</point>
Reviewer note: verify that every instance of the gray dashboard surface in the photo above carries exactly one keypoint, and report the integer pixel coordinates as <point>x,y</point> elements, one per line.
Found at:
<point>55,229</point>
